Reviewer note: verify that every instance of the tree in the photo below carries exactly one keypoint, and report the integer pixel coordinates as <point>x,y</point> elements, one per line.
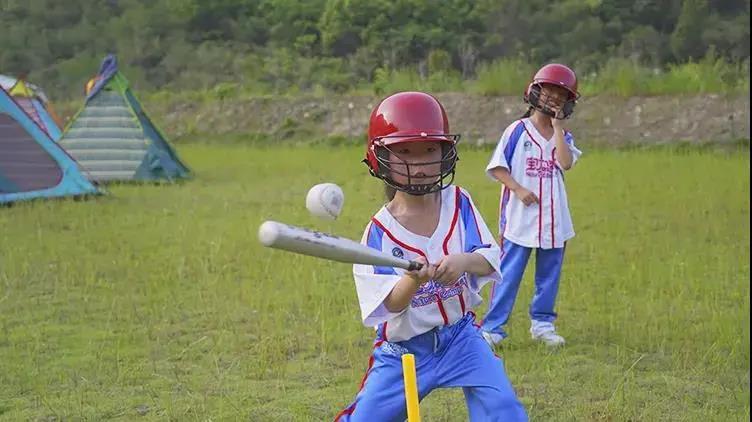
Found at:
<point>686,40</point>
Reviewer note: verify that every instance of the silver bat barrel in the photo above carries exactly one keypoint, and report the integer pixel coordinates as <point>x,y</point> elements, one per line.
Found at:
<point>323,245</point>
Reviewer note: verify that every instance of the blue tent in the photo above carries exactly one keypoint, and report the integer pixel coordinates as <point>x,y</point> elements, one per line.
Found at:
<point>32,165</point>
<point>34,102</point>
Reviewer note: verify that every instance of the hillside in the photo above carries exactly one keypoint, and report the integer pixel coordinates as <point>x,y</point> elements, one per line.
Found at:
<point>600,120</point>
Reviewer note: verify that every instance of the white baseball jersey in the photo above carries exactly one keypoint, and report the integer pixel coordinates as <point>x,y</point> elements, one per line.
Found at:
<point>531,160</point>
<point>461,229</point>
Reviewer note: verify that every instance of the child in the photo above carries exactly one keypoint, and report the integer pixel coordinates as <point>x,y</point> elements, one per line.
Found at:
<point>530,161</point>
<point>426,312</point>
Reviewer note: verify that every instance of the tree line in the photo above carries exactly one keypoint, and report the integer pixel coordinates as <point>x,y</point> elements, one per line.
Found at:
<point>333,45</point>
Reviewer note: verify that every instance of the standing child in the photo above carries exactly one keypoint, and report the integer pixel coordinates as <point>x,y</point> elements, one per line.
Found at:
<point>426,312</point>
<point>530,161</point>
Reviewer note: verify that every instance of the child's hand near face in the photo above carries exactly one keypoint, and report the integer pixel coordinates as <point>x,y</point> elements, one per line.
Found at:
<point>557,121</point>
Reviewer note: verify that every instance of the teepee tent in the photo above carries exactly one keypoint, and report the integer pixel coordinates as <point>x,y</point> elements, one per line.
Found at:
<point>112,137</point>
<point>32,165</point>
<point>34,102</point>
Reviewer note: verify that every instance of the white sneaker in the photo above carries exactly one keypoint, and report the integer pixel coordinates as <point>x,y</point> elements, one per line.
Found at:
<point>492,339</point>
<point>546,333</point>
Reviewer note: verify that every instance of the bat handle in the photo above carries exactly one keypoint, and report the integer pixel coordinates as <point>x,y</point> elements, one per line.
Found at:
<point>414,266</point>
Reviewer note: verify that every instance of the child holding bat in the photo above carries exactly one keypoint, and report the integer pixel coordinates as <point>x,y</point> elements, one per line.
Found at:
<point>426,312</point>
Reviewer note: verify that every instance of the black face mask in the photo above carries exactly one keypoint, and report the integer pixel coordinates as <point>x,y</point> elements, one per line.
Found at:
<point>547,107</point>
<point>443,179</point>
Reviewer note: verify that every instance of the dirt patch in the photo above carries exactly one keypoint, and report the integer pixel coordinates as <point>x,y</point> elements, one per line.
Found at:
<point>480,119</point>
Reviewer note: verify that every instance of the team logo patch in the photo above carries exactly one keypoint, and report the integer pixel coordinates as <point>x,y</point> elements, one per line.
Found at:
<point>535,167</point>
<point>393,349</point>
<point>398,252</point>
<point>430,291</point>
<point>528,145</point>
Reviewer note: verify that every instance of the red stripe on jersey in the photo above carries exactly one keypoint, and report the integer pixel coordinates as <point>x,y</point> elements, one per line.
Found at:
<point>540,190</point>
<point>454,219</point>
<point>397,241</point>
<point>419,252</point>
<point>553,220</point>
<point>440,304</point>
<point>534,141</point>
<point>540,212</point>
<point>553,236</point>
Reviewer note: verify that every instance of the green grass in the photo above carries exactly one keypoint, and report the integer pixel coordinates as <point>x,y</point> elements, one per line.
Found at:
<point>622,77</point>
<point>617,77</point>
<point>157,303</point>
<point>503,77</point>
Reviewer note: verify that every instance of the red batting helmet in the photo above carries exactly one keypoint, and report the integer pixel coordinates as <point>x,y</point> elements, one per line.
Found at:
<point>557,75</point>
<point>410,117</point>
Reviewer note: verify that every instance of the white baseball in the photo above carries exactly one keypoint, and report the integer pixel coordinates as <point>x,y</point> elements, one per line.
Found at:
<point>325,200</point>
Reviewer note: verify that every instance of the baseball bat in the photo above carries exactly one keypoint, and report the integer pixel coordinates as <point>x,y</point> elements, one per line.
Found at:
<point>277,235</point>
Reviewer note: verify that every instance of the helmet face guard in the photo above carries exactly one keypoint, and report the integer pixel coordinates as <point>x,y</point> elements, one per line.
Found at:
<point>547,105</point>
<point>551,75</point>
<point>411,117</point>
<point>389,164</point>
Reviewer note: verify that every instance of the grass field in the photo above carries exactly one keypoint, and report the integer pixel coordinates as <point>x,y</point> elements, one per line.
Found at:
<point>157,303</point>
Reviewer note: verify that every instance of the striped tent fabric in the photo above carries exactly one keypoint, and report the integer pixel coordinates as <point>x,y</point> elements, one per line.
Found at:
<point>112,137</point>
<point>106,139</point>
